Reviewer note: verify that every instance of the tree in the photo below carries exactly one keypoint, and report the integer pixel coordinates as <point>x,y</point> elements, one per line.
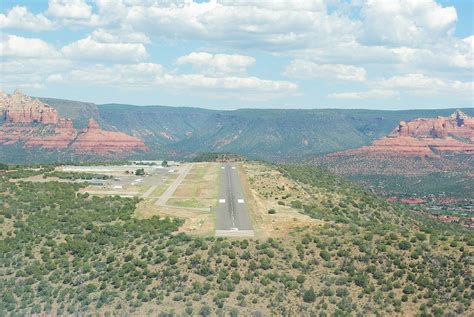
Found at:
<point>309,295</point>
<point>140,172</point>
<point>164,163</point>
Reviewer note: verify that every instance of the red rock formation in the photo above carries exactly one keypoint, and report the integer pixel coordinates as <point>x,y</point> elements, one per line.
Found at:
<point>423,138</point>
<point>64,135</point>
<point>22,113</point>
<point>94,139</point>
<point>458,124</point>
<point>18,108</point>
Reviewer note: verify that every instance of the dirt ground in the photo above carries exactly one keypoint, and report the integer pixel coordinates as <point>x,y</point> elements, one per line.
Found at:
<point>264,188</point>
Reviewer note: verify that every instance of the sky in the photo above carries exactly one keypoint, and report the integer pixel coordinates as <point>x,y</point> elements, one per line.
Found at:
<point>228,54</point>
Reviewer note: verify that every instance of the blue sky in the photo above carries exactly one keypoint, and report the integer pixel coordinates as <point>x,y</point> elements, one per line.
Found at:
<point>227,54</point>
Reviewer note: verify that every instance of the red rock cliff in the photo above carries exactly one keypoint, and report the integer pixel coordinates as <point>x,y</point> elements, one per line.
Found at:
<point>94,139</point>
<point>18,108</point>
<point>21,114</point>
<point>458,124</point>
<point>424,138</point>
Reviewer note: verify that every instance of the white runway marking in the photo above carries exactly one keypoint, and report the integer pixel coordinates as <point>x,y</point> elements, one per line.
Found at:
<point>221,201</point>
<point>240,201</point>
<point>234,233</point>
<point>223,167</point>
<point>233,167</point>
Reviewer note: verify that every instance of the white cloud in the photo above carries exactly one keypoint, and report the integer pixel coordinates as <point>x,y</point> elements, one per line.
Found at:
<point>406,22</point>
<point>90,49</point>
<point>20,18</point>
<point>369,94</point>
<point>400,39</point>
<point>69,9</point>
<point>139,75</point>
<point>257,24</point>
<point>246,84</point>
<point>21,47</point>
<point>119,35</point>
<point>307,70</point>
<point>427,86</point>
<point>217,63</point>
<point>151,75</point>
<point>282,5</point>
<point>413,84</point>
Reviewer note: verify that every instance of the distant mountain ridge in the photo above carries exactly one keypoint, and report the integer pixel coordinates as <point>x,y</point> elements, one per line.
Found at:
<point>273,134</point>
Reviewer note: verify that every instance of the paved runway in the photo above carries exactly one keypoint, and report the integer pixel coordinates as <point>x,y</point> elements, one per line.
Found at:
<point>232,216</point>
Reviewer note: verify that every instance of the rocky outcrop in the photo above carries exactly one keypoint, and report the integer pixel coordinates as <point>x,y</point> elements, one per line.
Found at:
<point>424,138</point>
<point>36,124</point>
<point>458,124</point>
<point>94,139</point>
<point>64,135</point>
<point>19,108</point>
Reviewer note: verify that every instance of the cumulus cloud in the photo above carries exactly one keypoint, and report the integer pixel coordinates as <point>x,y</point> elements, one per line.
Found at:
<point>424,85</point>
<point>308,70</point>
<point>263,25</point>
<point>20,18</point>
<point>119,35</point>
<point>151,75</point>
<point>217,63</point>
<point>247,84</point>
<point>411,42</point>
<point>22,47</point>
<point>406,22</point>
<point>413,84</point>
<point>90,49</point>
<point>69,9</point>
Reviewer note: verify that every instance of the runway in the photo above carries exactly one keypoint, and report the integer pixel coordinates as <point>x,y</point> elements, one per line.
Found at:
<point>232,217</point>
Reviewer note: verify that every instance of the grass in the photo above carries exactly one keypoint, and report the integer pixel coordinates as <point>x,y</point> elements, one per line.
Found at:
<point>186,203</point>
<point>200,188</point>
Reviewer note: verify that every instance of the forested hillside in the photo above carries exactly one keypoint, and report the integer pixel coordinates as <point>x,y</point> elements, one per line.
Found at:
<point>269,134</point>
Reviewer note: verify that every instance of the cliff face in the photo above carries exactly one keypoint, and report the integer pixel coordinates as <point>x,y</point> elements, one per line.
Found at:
<point>18,108</point>
<point>458,124</point>
<point>94,139</point>
<point>36,124</point>
<point>424,138</point>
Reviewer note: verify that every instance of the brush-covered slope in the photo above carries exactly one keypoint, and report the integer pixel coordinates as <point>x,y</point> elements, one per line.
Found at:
<point>79,112</point>
<point>63,253</point>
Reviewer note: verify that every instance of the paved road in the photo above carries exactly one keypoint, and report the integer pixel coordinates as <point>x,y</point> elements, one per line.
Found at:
<point>231,213</point>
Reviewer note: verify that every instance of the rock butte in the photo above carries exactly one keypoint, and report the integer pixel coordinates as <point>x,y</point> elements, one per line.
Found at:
<point>36,124</point>
<point>423,138</point>
<point>93,139</point>
<point>18,108</point>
